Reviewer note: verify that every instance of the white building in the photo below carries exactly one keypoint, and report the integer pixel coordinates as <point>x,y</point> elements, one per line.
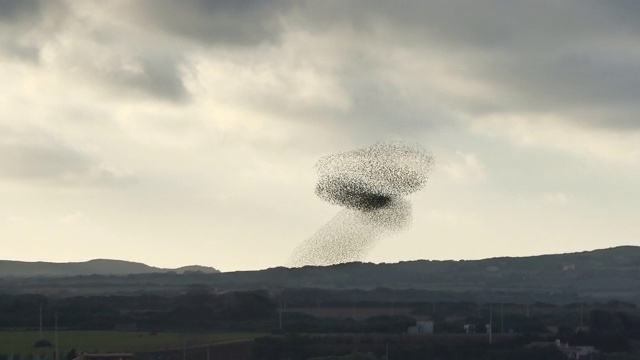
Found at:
<point>422,327</point>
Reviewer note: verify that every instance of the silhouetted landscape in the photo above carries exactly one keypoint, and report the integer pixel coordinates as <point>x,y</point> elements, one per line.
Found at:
<point>598,275</point>
<point>526,306</point>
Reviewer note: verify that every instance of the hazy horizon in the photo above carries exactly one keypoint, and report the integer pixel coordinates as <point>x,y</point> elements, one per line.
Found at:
<point>186,133</point>
<point>285,265</point>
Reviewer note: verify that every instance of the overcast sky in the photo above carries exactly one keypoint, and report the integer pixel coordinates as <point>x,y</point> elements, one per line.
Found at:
<point>185,132</point>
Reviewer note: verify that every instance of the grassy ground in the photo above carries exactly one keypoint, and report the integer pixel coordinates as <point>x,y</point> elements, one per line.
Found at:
<point>21,342</point>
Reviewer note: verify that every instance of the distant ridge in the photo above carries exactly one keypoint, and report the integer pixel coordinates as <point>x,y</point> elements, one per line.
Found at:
<point>10,268</point>
<point>599,275</point>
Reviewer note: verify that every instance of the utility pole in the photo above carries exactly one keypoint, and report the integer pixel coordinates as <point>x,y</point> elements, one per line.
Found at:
<point>353,306</point>
<point>56,334</point>
<point>280,315</point>
<point>41,337</point>
<point>490,323</point>
<point>502,318</point>
<point>386,357</point>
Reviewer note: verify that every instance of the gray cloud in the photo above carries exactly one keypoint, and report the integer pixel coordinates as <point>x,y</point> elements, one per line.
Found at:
<point>624,11</point>
<point>575,58</point>
<point>25,52</point>
<point>225,22</point>
<point>158,76</point>
<point>574,82</point>
<point>12,11</point>
<point>384,109</point>
<point>40,157</point>
<point>37,162</point>
<point>162,77</point>
<point>31,25</point>
<point>21,23</point>
<point>457,26</point>
<point>378,108</point>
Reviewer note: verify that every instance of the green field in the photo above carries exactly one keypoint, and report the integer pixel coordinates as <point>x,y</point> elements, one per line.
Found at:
<point>21,342</point>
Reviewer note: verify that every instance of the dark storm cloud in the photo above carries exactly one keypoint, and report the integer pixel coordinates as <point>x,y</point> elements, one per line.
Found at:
<point>31,24</point>
<point>456,25</point>
<point>573,59</point>
<point>20,19</point>
<point>548,57</point>
<point>223,22</point>
<point>13,11</point>
<point>17,16</point>
<point>626,12</point>
<point>573,81</point>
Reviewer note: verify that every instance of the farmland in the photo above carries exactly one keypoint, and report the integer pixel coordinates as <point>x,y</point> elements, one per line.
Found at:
<point>22,342</point>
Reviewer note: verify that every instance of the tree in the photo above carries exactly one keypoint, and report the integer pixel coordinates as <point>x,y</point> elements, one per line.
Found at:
<point>72,354</point>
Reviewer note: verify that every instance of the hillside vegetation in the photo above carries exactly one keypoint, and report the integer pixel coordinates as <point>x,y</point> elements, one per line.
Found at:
<point>600,275</point>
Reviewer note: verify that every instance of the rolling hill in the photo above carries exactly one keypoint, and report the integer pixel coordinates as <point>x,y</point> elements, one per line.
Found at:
<point>10,268</point>
<point>612,273</point>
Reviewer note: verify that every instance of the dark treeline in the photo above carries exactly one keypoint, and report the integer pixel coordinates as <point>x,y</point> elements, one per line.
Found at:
<point>346,347</point>
<point>611,326</point>
<point>195,310</point>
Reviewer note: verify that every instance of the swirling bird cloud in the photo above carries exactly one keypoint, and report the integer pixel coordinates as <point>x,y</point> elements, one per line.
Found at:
<point>370,184</point>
